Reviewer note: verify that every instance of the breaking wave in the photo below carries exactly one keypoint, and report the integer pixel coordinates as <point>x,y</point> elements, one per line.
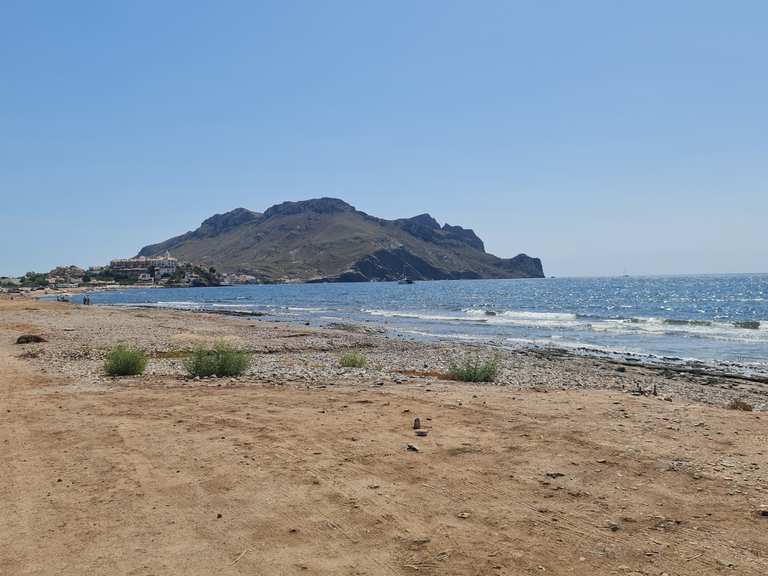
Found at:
<point>737,331</point>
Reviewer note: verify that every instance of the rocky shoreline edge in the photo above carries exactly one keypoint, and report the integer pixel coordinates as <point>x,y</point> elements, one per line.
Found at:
<point>78,338</point>
<point>678,365</point>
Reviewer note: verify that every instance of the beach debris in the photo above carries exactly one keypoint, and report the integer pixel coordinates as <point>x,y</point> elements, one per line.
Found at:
<point>554,475</point>
<point>416,423</point>
<point>30,339</point>
<point>614,527</point>
<point>763,512</point>
<point>412,448</point>
<point>421,433</point>
<point>240,557</point>
<point>621,369</point>
<point>462,515</point>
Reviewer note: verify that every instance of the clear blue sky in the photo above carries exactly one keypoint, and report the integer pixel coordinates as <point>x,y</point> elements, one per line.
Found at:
<point>599,136</point>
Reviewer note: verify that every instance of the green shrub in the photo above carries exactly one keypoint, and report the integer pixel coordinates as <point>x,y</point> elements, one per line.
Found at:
<point>352,360</point>
<point>474,369</point>
<point>221,360</point>
<point>125,361</point>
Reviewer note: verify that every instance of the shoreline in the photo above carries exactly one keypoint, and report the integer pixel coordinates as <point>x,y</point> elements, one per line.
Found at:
<point>699,339</point>
<point>717,369</point>
<point>550,367</point>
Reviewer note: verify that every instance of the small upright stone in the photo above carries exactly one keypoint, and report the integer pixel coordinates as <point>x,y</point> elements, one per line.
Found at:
<point>416,423</point>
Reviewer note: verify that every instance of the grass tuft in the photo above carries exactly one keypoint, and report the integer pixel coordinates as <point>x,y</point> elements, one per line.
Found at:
<point>352,360</point>
<point>474,369</point>
<point>221,360</point>
<point>740,405</point>
<point>125,361</point>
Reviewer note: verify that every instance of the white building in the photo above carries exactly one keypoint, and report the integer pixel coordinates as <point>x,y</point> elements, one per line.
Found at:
<point>163,266</point>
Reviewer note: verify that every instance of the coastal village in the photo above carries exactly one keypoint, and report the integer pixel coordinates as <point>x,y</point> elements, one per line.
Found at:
<point>160,271</point>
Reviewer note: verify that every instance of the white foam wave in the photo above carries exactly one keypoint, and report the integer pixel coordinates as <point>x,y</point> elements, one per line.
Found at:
<point>563,321</point>
<point>546,319</point>
<point>562,343</point>
<point>419,316</point>
<point>723,331</point>
<point>181,305</point>
<point>523,315</point>
<point>467,337</point>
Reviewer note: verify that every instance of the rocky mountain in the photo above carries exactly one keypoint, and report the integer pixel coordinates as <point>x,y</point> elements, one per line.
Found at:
<point>327,240</point>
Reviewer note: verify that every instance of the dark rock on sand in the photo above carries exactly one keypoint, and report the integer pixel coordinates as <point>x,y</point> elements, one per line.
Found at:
<point>30,339</point>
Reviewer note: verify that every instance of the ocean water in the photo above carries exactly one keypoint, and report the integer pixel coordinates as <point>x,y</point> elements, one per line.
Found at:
<point>712,318</point>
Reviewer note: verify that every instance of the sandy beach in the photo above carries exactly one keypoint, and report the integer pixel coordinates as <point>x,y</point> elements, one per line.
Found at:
<point>565,465</point>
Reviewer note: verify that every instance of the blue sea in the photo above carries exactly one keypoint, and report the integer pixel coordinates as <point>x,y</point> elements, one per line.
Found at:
<point>714,318</point>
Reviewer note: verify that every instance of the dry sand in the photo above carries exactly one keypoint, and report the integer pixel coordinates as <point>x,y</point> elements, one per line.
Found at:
<point>303,468</point>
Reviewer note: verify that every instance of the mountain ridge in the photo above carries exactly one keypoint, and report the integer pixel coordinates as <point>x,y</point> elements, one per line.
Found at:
<point>329,240</point>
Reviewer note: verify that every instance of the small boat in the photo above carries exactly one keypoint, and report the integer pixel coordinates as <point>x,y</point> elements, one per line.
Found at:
<point>404,278</point>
